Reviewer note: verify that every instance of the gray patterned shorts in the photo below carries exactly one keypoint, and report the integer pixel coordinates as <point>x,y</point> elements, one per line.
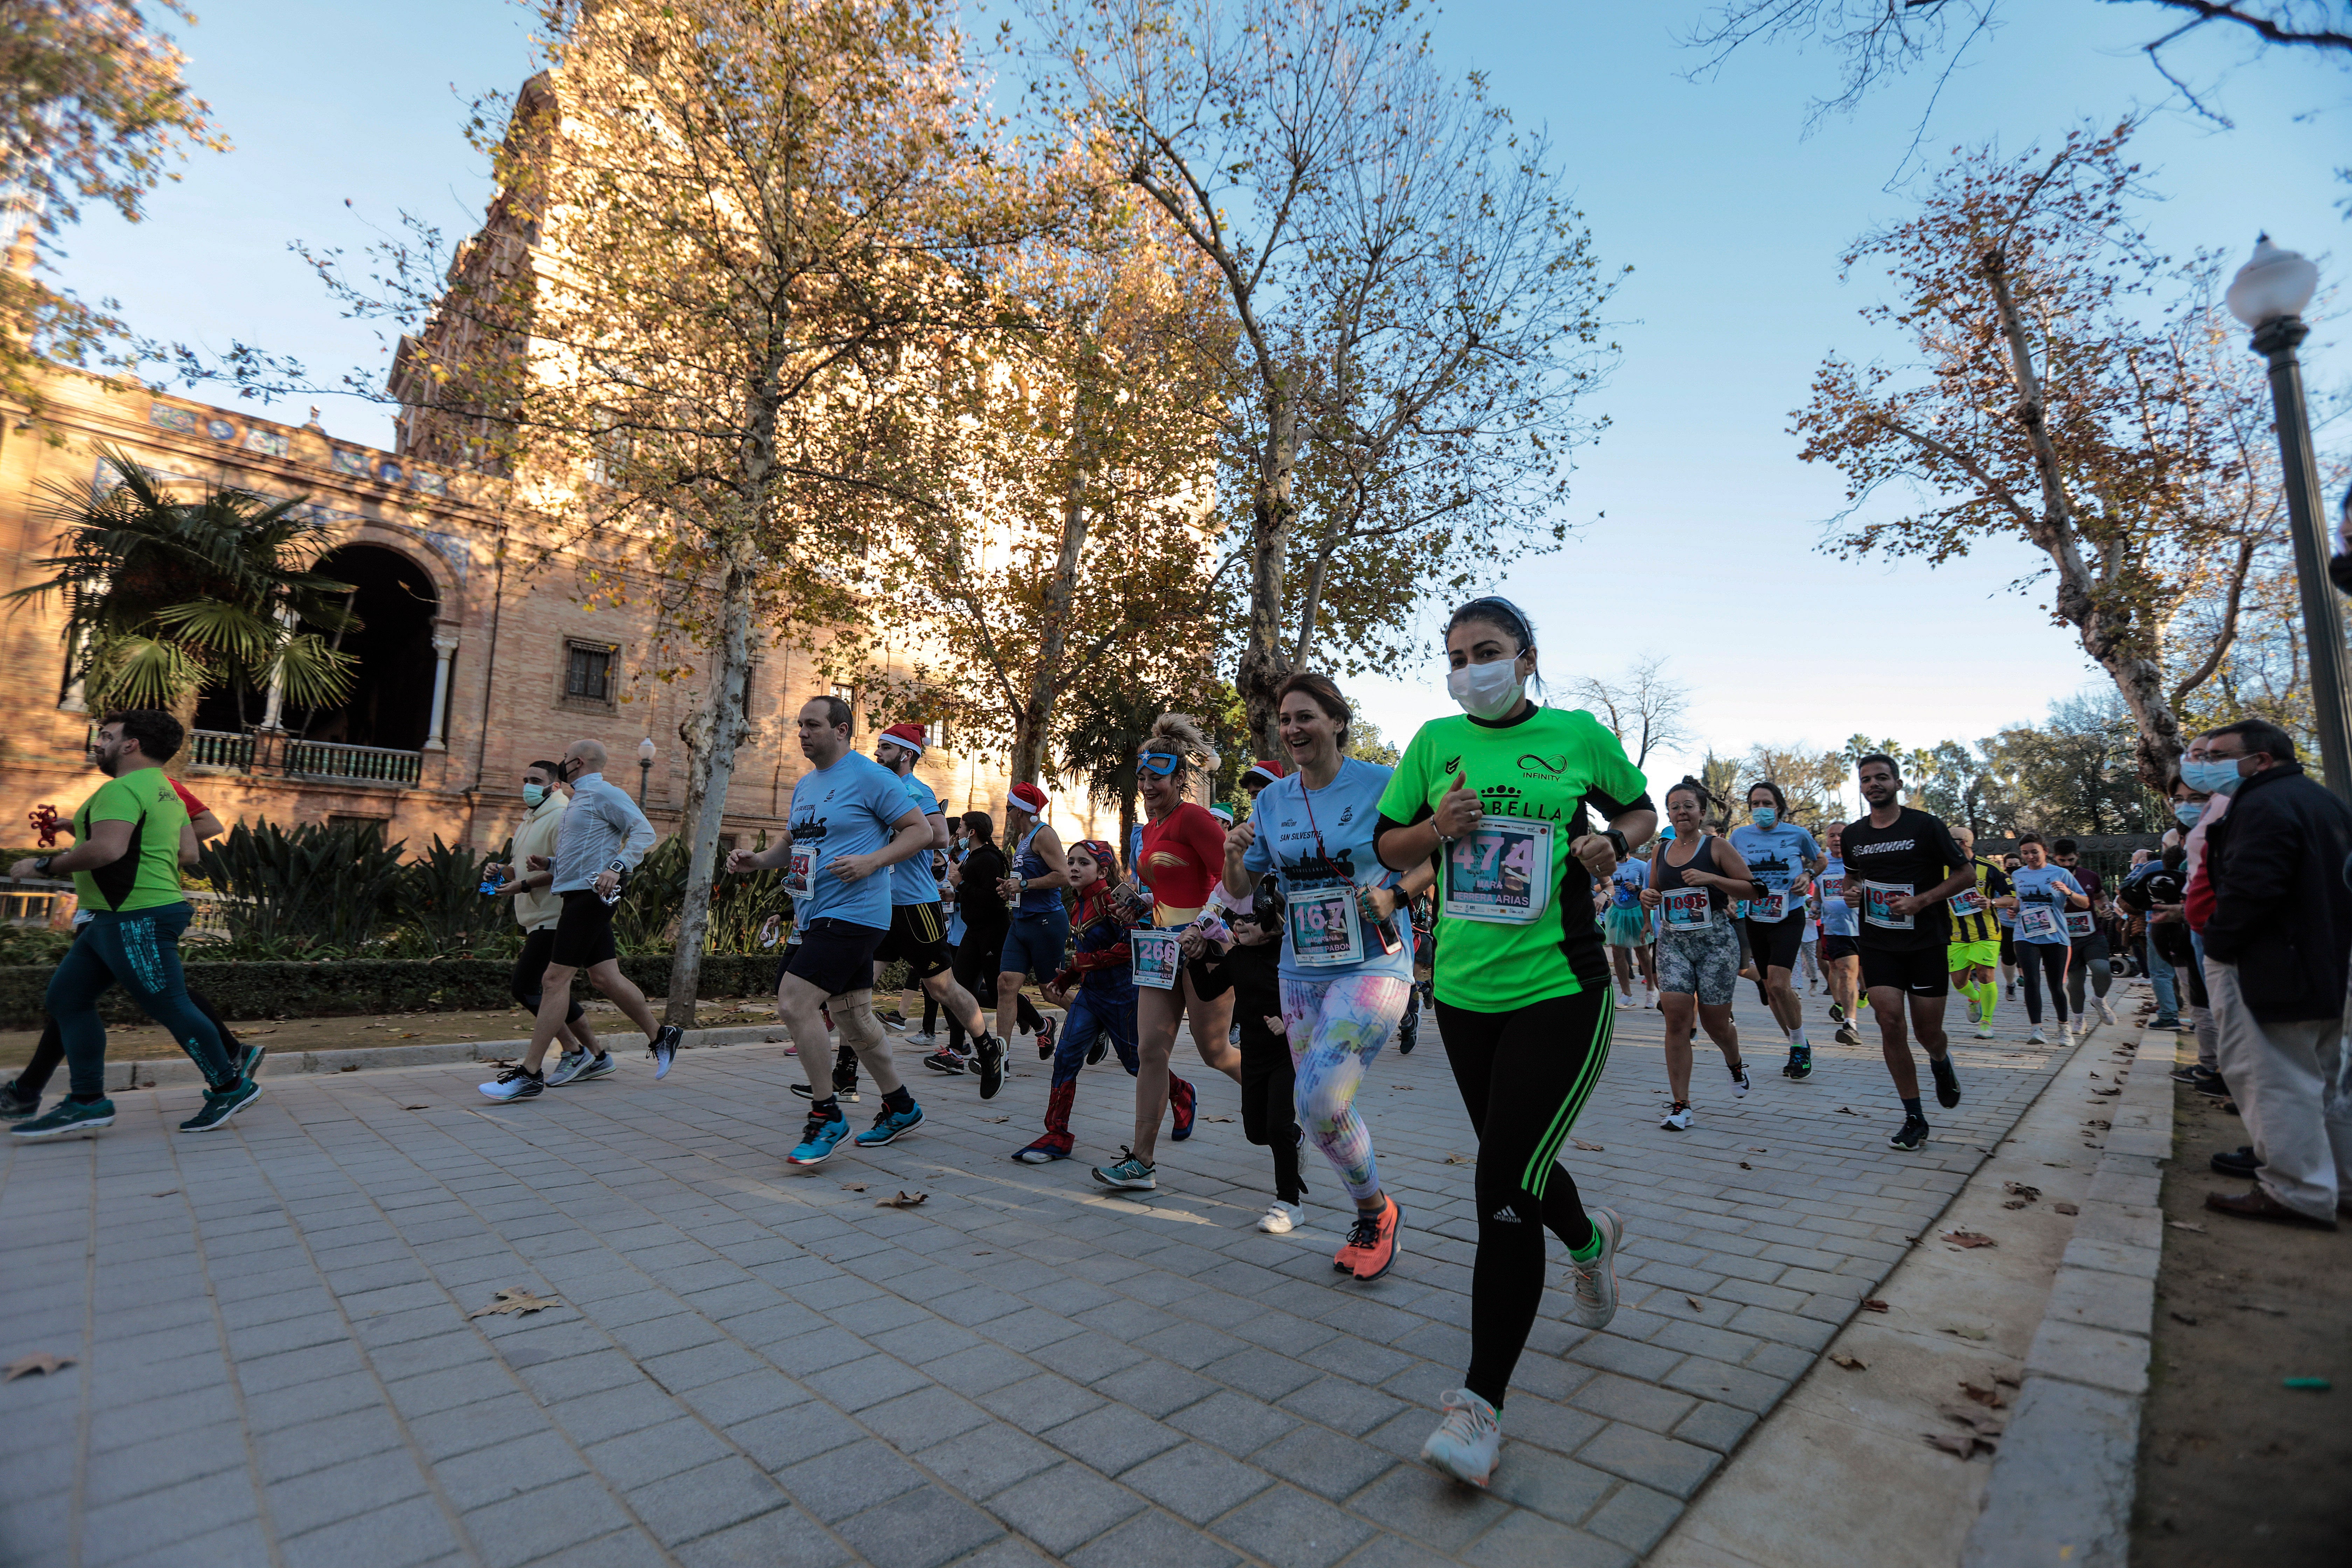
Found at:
<point>1703,964</point>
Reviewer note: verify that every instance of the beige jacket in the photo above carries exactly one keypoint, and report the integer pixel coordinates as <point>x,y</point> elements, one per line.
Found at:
<point>537,909</point>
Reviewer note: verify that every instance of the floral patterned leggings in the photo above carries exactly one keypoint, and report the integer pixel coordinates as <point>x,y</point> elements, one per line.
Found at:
<point>1335,1029</point>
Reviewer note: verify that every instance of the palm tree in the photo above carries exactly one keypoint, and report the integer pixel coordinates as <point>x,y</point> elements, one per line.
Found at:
<point>168,598</point>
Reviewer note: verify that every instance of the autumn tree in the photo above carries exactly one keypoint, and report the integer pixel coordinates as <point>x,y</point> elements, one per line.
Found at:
<point>93,110</point>
<point>2062,393</point>
<point>1077,461</point>
<point>1814,781</point>
<point>1644,708</point>
<point>1415,305</point>
<point>695,331</point>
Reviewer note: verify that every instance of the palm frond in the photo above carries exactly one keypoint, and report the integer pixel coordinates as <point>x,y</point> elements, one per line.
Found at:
<point>311,674</point>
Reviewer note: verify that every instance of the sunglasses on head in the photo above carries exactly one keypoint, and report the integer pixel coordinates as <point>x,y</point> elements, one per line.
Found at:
<point>1162,763</point>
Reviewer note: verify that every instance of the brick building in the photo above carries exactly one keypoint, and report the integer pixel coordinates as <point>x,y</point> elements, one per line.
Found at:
<point>480,651</point>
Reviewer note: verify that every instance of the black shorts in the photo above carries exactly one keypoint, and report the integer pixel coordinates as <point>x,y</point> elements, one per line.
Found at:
<point>1919,971</point>
<point>2089,948</point>
<point>583,931</point>
<point>1834,946</point>
<point>835,956</point>
<point>2009,946</point>
<point>916,935</point>
<point>1777,941</point>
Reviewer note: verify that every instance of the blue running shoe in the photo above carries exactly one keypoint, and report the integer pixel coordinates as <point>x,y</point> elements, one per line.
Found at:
<point>663,1049</point>
<point>819,1138</point>
<point>889,1125</point>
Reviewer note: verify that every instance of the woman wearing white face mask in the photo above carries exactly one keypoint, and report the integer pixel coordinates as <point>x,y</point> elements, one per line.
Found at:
<point>1501,793</point>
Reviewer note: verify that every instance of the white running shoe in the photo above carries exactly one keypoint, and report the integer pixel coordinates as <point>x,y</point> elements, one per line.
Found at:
<point>1466,1442</point>
<point>1984,1030</point>
<point>924,1037</point>
<point>567,1067</point>
<point>1625,1001</point>
<point>1975,1012</point>
<point>2035,1038</point>
<point>2107,1014</point>
<point>1595,1282</point>
<point>1281,1218</point>
<point>1740,1085</point>
<point>1677,1118</point>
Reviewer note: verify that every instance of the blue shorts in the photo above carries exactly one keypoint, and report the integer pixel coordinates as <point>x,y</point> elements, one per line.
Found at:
<point>1034,943</point>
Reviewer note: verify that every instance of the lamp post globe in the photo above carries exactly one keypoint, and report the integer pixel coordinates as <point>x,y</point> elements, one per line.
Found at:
<point>644,768</point>
<point>2269,294</point>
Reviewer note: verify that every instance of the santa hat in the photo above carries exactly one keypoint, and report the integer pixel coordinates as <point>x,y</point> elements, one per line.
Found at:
<point>1028,797</point>
<point>906,736</point>
<point>1266,771</point>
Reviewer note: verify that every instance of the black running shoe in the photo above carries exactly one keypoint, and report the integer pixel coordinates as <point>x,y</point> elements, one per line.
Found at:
<point>947,1060</point>
<point>15,1104</point>
<point>841,1091</point>
<point>1948,1082</point>
<point>2238,1162</point>
<point>992,1067</point>
<point>663,1049</point>
<point>1911,1134</point>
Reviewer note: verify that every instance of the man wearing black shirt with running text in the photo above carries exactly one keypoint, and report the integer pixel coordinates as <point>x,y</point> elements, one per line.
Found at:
<point>1901,865</point>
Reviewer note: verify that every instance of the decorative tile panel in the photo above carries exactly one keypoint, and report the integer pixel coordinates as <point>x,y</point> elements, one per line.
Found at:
<point>163,417</point>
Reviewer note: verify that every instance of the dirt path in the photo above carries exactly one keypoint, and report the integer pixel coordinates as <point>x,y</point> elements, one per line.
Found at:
<point>2235,1468</point>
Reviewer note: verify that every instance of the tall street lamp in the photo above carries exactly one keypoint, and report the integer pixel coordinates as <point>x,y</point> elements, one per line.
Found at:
<point>644,768</point>
<point>2269,294</point>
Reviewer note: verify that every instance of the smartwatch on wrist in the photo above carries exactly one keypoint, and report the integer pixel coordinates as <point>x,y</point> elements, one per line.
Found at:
<point>41,864</point>
<point>1617,842</point>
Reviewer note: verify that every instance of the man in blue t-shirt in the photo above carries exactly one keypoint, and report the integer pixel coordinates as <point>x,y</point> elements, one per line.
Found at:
<point>1781,855</point>
<point>1840,952</point>
<point>917,933</point>
<point>851,822</point>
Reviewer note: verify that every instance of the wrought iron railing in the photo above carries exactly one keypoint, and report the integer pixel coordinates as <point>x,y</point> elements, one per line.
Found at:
<point>32,903</point>
<point>297,759</point>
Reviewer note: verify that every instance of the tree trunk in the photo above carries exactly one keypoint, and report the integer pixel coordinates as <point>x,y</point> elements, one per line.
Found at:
<point>719,727</point>
<point>1031,724</point>
<point>1307,611</point>
<point>1272,512</point>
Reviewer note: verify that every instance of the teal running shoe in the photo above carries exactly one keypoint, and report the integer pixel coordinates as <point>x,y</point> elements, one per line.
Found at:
<point>890,1125</point>
<point>67,1120</point>
<point>819,1138</point>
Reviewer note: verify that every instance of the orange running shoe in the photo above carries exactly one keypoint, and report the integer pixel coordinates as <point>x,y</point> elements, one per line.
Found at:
<point>1374,1238</point>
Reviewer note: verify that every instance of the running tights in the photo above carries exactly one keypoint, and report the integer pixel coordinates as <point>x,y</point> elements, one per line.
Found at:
<point>2036,959</point>
<point>2089,958</point>
<point>1524,1076</point>
<point>1336,1027</point>
<point>140,952</point>
<point>34,1076</point>
<point>975,971</point>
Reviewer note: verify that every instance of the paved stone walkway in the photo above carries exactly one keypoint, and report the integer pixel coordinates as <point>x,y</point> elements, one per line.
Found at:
<point>757,1365</point>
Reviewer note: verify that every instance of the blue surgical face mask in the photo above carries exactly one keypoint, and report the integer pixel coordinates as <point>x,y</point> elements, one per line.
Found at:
<point>2211,777</point>
<point>532,794</point>
<point>2187,812</point>
<point>1766,816</point>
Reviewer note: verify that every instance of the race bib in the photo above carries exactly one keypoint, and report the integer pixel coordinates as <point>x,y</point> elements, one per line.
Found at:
<point>2081,923</point>
<point>1966,904</point>
<point>1770,908</point>
<point>1878,905</point>
<point>1684,908</point>
<point>800,865</point>
<point>1326,930</point>
<point>1501,873</point>
<point>2036,922</point>
<point>1154,957</point>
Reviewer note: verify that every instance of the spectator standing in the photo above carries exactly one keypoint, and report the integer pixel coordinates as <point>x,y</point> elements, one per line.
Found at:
<point>2277,946</point>
<point>537,909</point>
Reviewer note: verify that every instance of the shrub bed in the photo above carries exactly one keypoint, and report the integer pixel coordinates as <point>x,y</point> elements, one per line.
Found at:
<point>265,989</point>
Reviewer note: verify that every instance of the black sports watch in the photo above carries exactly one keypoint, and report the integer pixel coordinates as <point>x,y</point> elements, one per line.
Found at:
<point>41,864</point>
<point>1617,842</point>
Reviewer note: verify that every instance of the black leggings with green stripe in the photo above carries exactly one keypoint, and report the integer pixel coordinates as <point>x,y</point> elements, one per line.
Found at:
<point>1523,1077</point>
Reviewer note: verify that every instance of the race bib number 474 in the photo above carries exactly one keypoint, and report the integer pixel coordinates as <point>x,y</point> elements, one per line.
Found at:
<point>1500,873</point>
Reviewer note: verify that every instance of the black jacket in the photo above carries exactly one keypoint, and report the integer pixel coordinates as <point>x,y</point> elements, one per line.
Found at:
<point>2281,910</point>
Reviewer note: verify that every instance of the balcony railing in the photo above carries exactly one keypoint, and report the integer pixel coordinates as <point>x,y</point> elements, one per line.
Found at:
<point>295,759</point>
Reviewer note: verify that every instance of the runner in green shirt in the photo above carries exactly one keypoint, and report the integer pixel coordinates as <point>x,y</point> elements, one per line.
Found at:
<point>129,837</point>
<point>1501,798</point>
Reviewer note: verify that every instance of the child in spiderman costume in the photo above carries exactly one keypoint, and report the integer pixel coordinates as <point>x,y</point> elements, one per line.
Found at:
<point>1101,1009</point>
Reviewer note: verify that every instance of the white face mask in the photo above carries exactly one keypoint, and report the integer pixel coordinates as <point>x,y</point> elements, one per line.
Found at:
<point>1486,690</point>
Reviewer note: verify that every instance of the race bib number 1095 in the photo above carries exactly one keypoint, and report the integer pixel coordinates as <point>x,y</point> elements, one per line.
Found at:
<point>1501,873</point>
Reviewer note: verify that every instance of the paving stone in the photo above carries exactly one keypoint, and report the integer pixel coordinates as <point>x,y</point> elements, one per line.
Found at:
<point>409,1532</point>
<point>985,1460</point>
<point>354,1486</point>
<point>920,1529</point>
<point>522,1529</point>
<point>785,1538</point>
<point>1651,1459</point>
<point>678,1507</point>
<point>1064,1508</point>
<point>1154,1540</point>
<point>1529,1541</point>
<point>1195,1481</point>
<point>1636,1518</point>
<point>848,1481</point>
<point>1113,1438</point>
<point>1290,1528</point>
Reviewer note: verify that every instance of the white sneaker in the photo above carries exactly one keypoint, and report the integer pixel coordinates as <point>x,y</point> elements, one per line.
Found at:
<point>1281,1218</point>
<point>1739,1081</point>
<point>1595,1283</point>
<point>1649,1001</point>
<point>1984,1030</point>
<point>567,1067</point>
<point>2107,1014</point>
<point>1466,1442</point>
<point>1677,1118</point>
<point>1624,1003</point>
<point>1974,1011</point>
<point>514,1084</point>
<point>926,1037</point>
<point>2035,1038</point>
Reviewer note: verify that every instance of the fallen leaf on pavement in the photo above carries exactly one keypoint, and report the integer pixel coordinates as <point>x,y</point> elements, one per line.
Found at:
<point>2020,1190</point>
<point>2067,1207</point>
<point>1850,1362</point>
<point>1405,1086</point>
<point>1967,1332</point>
<point>166,1193</point>
<point>2184,1225</point>
<point>519,1300</point>
<point>2256,1307</point>
<point>1588,1148</point>
<point>853,1186</point>
<point>2184,1317</point>
<point>1847,1111</point>
<point>1746,1166</point>
<point>1697,1305</point>
<point>2007,1379</point>
<point>1970,1238</point>
<point>1216,1119</point>
<point>1458,1159</point>
<point>2014,1204</point>
<point>415,1108</point>
<point>1964,1444</point>
<point>41,1361</point>
<point>1754,1150</point>
<point>1873,1304</point>
<point>905,1200</point>
<point>2106,1091</point>
<point>1989,1397</point>
<point>1008,1118</point>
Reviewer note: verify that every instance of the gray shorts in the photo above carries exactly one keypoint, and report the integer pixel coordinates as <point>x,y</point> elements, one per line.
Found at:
<point>1704,964</point>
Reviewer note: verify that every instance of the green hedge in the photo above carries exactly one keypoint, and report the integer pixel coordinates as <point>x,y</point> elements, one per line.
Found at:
<point>328,990</point>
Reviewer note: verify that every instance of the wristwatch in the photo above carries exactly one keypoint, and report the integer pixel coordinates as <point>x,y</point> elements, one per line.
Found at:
<point>41,864</point>
<point>1617,842</point>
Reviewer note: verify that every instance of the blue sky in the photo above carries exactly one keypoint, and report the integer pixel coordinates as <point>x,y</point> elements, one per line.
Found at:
<point>1699,523</point>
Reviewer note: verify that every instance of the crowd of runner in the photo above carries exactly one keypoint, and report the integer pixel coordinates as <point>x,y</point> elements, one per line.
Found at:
<point>1511,871</point>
